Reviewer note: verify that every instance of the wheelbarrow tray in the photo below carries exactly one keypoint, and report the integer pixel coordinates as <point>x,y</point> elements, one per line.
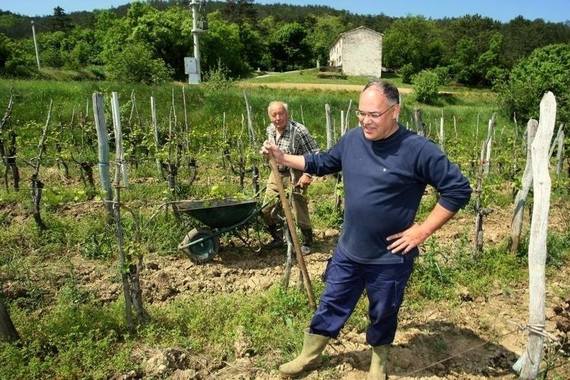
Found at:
<point>219,213</point>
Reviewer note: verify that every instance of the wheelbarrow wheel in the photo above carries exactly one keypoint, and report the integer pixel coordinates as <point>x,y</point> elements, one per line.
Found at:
<point>203,251</point>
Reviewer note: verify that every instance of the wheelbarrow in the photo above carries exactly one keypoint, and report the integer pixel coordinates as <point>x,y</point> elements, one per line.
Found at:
<point>219,217</point>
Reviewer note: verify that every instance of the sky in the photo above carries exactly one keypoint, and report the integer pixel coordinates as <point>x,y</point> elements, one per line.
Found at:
<point>502,10</point>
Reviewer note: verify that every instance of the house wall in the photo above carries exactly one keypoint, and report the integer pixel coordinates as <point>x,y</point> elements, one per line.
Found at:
<point>335,54</point>
<point>362,53</point>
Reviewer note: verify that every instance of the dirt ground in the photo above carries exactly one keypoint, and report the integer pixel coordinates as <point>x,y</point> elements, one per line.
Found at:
<point>476,338</point>
<point>479,338</point>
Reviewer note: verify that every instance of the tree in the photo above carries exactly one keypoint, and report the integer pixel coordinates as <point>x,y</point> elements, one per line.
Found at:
<point>240,11</point>
<point>322,34</point>
<point>517,43</point>
<point>5,51</point>
<point>60,21</point>
<point>222,46</point>
<point>289,48</point>
<point>135,63</point>
<point>16,57</point>
<point>254,46</point>
<point>546,69</point>
<point>412,40</point>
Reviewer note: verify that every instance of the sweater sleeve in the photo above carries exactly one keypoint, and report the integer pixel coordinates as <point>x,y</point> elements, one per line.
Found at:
<point>323,163</point>
<point>434,168</point>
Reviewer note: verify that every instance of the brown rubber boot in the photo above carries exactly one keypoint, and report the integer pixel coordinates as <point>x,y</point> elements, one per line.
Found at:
<point>276,237</point>
<point>309,358</point>
<point>378,363</point>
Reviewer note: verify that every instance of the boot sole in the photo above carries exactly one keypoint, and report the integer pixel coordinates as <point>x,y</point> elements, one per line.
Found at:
<point>308,368</point>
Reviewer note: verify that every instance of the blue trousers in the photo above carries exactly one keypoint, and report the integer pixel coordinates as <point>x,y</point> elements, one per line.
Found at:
<point>345,282</point>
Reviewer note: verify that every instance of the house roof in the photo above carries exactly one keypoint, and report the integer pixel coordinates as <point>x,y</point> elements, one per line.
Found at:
<point>362,27</point>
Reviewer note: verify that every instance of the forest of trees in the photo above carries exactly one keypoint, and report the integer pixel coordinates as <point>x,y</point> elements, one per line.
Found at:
<point>146,41</point>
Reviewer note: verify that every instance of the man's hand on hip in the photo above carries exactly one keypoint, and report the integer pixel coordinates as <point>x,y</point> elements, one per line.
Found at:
<point>408,239</point>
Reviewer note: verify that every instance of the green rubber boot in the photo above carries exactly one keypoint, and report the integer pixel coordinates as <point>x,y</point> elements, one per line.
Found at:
<point>310,357</point>
<point>378,363</point>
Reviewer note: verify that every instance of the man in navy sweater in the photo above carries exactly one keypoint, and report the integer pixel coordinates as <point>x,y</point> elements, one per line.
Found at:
<point>385,169</point>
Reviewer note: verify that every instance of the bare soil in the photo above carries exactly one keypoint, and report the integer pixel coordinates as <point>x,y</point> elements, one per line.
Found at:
<point>472,338</point>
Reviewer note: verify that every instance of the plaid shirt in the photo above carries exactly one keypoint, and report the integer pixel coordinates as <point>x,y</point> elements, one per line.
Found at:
<point>295,139</point>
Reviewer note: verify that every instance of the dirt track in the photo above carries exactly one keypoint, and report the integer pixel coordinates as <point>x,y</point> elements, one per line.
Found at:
<point>315,86</point>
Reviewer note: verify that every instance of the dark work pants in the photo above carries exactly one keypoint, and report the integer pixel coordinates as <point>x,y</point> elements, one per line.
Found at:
<point>345,282</point>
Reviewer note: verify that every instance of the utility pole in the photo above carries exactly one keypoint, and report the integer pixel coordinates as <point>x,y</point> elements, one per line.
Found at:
<point>36,45</point>
<point>195,77</point>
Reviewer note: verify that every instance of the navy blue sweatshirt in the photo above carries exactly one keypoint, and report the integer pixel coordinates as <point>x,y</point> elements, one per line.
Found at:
<point>384,182</point>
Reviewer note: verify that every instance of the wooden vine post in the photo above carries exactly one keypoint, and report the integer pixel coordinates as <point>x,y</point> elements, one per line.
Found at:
<point>520,199</point>
<point>489,143</point>
<point>293,231</point>
<point>130,272</point>
<point>103,153</point>
<point>560,154</point>
<point>86,163</point>
<point>528,364</point>
<point>253,143</point>
<point>441,133</point>
<point>328,116</point>
<point>173,155</point>
<point>154,122</point>
<point>4,151</point>
<point>37,184</point>
<point>420,125</point>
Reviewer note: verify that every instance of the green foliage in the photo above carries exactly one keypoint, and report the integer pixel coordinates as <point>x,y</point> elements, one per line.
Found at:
<point>222,46</point>
<point>472,67</point>
<point>99,241</point>
<point>136,64</point>
<point>289,47</point>
<point>412,40</point>
<point>546,69</point>
<point>13,59</point>
<point>443,74</point>
<point>426,86</point>
<point>406,72</point>
<point>324,31</point>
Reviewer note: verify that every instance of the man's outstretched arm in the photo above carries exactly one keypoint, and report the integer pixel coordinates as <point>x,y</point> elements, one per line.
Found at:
<point>269,149</point>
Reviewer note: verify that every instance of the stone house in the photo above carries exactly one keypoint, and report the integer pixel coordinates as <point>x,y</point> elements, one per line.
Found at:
<point>358,52</point>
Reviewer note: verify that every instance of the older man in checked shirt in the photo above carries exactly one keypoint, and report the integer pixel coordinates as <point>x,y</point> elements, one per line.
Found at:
<point>293,138</point>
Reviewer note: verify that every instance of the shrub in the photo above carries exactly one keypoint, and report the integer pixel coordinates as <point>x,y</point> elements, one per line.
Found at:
<point>406,72</point>
<point>546,69</point>
<point>426,86</point>
<point>135,63</point>
<point>217,80</point>
<point>443,74</point>
<point>331,75</point>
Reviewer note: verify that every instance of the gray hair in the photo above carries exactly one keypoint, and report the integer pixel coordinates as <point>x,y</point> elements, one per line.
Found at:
<point>388,89</point>
<point>277,103</point>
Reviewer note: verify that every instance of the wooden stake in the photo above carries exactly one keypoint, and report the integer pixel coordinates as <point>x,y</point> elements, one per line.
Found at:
<point>103,152</point>
<point>328,117</point>
<point>293,231</point>
<point>516,224</point>
<point>528,364</point>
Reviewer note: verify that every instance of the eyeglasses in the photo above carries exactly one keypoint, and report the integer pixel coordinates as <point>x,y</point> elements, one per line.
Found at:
<point>373,115</point>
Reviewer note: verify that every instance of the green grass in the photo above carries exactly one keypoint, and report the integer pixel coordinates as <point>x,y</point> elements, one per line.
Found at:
<point>305,76</point>
<point>69,334</point>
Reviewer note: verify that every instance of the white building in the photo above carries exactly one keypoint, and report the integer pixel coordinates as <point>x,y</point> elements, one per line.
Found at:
<point>358,52</point>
